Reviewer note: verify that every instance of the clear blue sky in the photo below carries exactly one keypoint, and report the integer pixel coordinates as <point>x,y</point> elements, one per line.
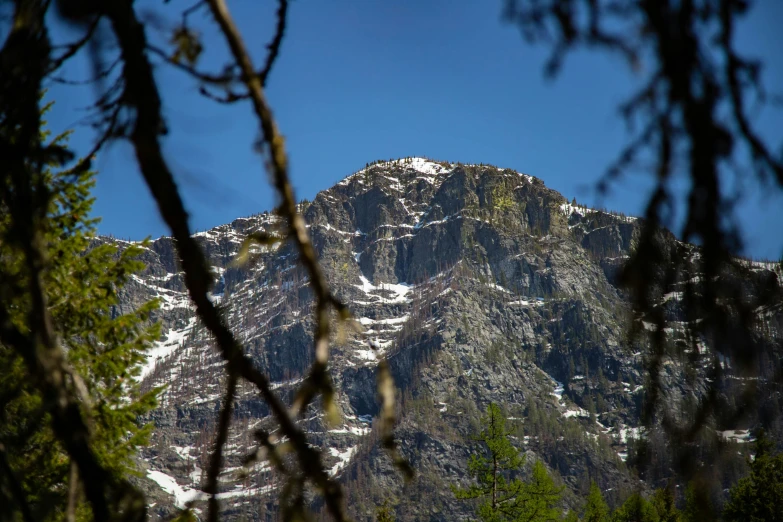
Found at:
<point>359,80</point>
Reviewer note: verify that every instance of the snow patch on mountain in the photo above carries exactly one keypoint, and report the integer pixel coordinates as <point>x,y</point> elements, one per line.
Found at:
<point>344,457</point>
<point>568,210</point>
<point>424,166</point>
<point>182,495</point>
<point>739,436</point>
<point>399,291</point>
<point>170,342</point>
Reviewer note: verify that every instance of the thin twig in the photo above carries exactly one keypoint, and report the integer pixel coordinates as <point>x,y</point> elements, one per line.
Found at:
<point>190,10</point>
<point>216,460</point>
<point>73,48</point>
<point>97,78</point>
<point>228,98</point>
<point>733,66</point>
<point>216,79</point>
<point>274,46</point>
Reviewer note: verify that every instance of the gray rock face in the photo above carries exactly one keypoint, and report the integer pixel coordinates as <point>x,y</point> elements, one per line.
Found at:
<point>479,284</point>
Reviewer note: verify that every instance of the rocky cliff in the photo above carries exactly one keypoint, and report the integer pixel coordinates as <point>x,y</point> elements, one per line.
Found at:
<point>478,284</point>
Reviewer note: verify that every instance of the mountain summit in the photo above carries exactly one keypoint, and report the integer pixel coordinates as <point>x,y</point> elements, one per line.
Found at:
<point>478,284</point>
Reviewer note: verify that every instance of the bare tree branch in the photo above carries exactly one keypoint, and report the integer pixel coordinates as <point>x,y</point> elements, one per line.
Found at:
<point>192,9</point>
<point>228,98</point>
<point>220,440</point>
<point>694,72</point>
<point>734,65</point>
<point>142,95</point>
<point>274,46</point>
<point>318,379</point>
<point>75,47</point>
<point>217,79</point>
<point>102,75</point>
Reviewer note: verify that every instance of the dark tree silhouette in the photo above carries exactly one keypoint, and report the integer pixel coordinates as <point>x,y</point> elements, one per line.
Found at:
<point>690,116</point>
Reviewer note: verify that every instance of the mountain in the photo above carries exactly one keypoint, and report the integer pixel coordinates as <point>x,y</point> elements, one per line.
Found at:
<point>478,284</point>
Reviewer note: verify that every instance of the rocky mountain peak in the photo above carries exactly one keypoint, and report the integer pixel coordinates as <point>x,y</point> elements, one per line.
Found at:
<point>479,285</point>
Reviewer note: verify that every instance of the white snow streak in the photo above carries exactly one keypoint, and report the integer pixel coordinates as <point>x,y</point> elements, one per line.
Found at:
<point>173,339</point>
<point>182,495</point>
<point>344,456</point>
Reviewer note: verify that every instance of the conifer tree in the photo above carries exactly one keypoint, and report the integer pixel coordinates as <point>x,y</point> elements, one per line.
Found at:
<point>538,498</point>
<point>636,508</point>
<point>504,496</point>
<point>759,496</point>
<point>105,350</point>
<point>596,509</point>
<point>491,469</point>
<point>665,504</point>
<point>697,503</point>
<point>384,512</point>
